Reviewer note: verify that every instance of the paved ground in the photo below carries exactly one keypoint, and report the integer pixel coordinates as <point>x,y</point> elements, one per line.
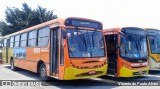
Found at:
<point>95,83</point>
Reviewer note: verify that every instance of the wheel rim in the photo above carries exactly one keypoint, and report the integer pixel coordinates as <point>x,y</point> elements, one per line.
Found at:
<point>43,72</point>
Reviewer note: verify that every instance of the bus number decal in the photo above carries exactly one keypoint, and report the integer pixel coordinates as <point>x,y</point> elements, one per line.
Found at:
<point>36,50</point>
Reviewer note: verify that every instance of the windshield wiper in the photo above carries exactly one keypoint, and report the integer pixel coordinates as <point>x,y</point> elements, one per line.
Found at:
<point>83,39</point>
<point>139,41</point>
<point>92,39</point>
<point>90,44</point>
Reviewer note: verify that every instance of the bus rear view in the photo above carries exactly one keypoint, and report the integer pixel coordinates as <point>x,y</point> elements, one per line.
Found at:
<point>127,52</point>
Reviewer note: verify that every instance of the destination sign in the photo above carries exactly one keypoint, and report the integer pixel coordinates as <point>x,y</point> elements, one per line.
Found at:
<point>83,23</point>
<point>153,32</point>
<point>134,30</point>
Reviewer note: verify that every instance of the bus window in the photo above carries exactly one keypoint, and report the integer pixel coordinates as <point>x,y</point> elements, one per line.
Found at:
<point>43,36</point>
<point>17,41</point>
<point>32,38</point>
<point>23,40</point>
<point>11,41</point>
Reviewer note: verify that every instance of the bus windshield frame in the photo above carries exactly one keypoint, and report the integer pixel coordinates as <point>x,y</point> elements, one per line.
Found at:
<point>133,44</point>
<point>84,43</point>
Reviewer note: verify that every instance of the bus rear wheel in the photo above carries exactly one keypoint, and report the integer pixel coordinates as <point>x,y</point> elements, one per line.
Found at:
<point>12,65</point>
<point>43,72</point>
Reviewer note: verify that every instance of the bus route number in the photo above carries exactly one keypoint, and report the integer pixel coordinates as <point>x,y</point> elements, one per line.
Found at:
<point>36,50</point>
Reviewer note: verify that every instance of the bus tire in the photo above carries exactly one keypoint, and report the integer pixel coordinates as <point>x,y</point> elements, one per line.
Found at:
<point>43,72</point>
<point>12,65</point>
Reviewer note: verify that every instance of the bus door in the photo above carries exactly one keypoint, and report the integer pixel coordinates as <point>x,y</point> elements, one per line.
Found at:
<point>112,53</point>
<point>7,49</point>
<point>54,51</point>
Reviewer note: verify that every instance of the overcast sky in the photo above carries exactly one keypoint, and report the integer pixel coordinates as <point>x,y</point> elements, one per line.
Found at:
<point>112,13</point>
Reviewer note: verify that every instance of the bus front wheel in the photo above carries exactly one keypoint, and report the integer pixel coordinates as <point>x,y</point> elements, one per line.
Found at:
<point>12,65</point>
<point>43,72</point>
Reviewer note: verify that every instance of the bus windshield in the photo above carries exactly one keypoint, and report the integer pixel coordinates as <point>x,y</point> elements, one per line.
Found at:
<point>154,43</point>
<point>133,46</point>
<point>85,43</point>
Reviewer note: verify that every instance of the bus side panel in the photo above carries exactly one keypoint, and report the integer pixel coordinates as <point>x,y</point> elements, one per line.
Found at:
<point>29,65</point>
<point>44,55</point>
<point>16,62</point>
<point>32,58</point>
<point>10,54</point>
<point>45,58</point>
<point>4,54</point>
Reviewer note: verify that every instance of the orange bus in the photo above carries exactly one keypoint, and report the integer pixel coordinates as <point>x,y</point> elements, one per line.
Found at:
<point>126,51</point>
<point>66,49</point>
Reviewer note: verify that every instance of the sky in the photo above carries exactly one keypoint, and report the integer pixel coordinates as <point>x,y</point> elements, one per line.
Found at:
<point>112,13</point>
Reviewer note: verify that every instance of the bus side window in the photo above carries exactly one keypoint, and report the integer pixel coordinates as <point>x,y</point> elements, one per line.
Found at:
<point>11,41</point>
<point>17,37</point>
<point>32,37</point>
<point>23,41</point>
<point>43,36</point>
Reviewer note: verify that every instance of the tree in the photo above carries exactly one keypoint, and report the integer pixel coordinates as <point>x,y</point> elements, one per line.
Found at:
<point>18,19</point>
<point>4,28</point>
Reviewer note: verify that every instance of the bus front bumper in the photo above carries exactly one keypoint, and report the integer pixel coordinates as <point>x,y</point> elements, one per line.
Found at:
<point>125,72</point>
<point>72,73</point>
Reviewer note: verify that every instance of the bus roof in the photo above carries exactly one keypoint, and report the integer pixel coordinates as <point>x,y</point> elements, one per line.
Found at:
<point>58,22</point>
<point>152,29</point>
<point>111,31</point>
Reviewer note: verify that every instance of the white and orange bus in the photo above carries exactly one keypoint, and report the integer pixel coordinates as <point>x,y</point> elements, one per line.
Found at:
<point>66,49</point>
<point>126,51</point>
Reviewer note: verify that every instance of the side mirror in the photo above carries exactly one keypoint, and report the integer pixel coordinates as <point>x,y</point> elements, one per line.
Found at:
<point>121,33</point>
